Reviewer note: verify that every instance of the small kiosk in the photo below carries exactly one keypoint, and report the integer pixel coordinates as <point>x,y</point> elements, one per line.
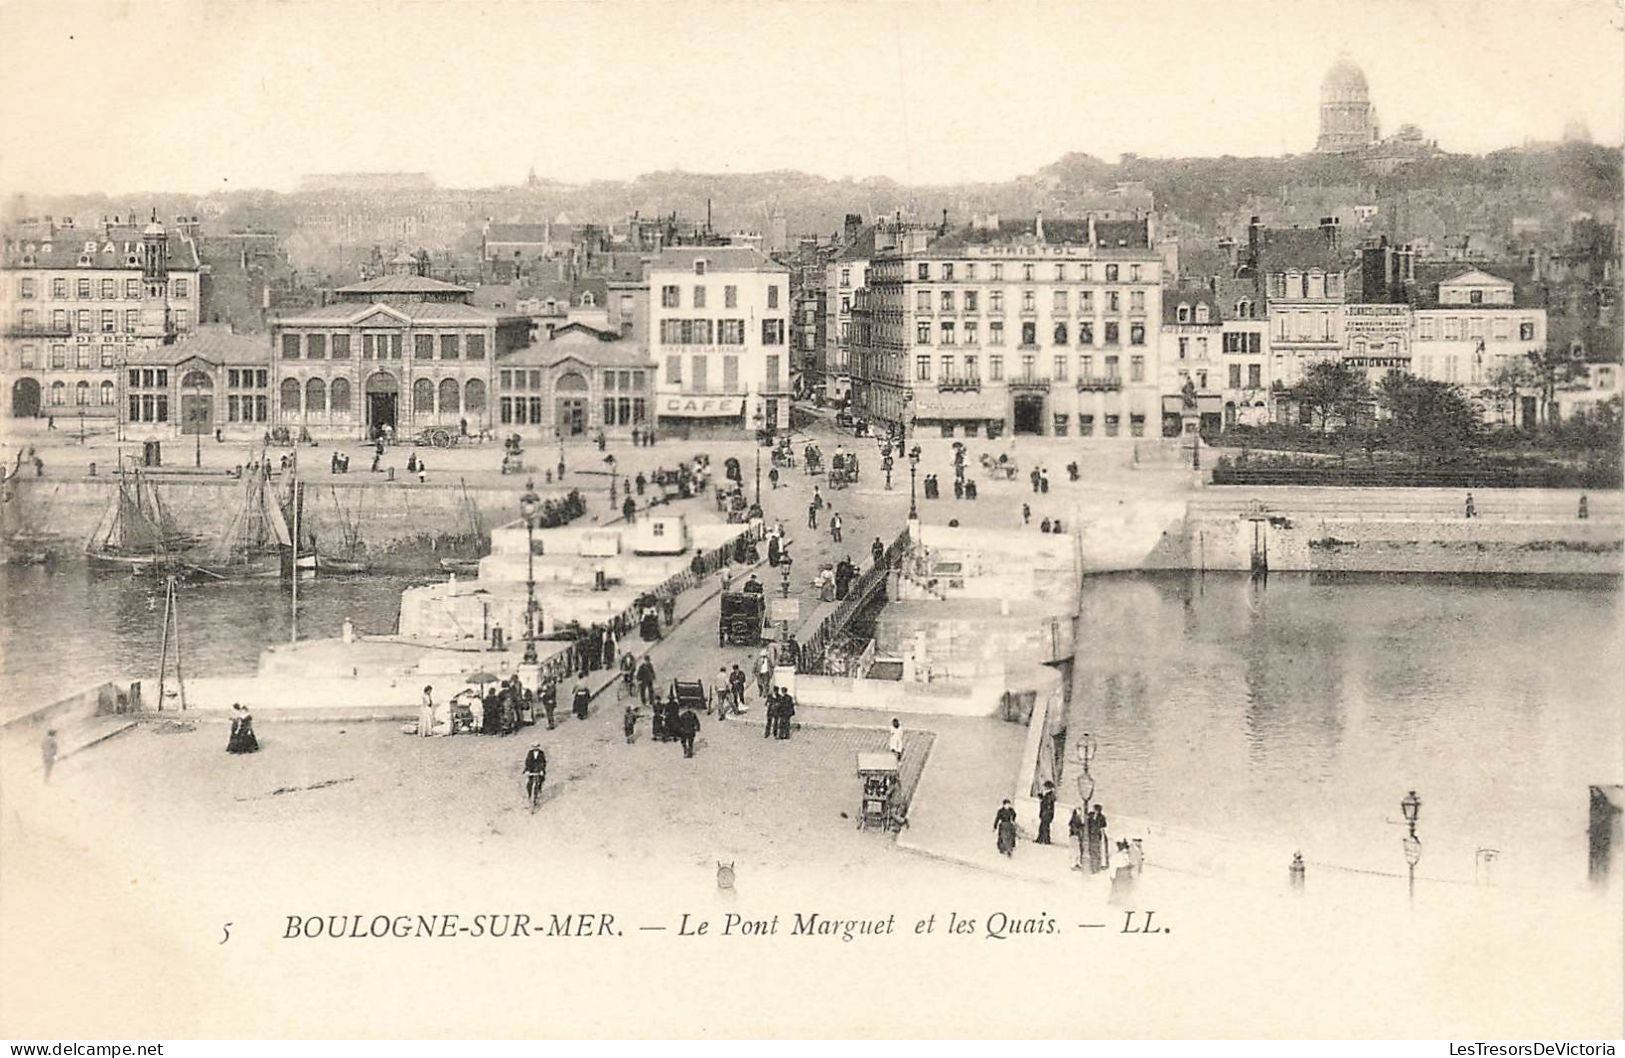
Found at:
<point>880,777</point>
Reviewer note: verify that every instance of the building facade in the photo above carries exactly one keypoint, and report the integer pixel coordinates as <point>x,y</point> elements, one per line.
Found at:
<point>1216,358</point>
<point>1471,327</point>
<point>1348,121</point>
<point>74,304</point>
<point>1300,276</point>
<point>1022,327</point>
<point>211,380</point>
<point>846,275</point>
<point>402,351</point>
<point>575,381</point>
<point>719,333</point>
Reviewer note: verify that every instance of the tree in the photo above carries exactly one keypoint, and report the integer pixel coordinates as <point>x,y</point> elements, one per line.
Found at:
<point>1507,383</point>
<point>1427,417</point>
<point>1333,391</point>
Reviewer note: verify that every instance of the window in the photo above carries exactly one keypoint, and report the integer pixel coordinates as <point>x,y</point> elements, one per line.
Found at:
<point>315,396</point>
<point>971,336</point>
<point>998,270</point>
<point>109,321</point>
<point>970,367</point>
<point>1060,369</point>
<point>290,347</point>
<point>1183,313</point>
<point>1136,334</point>
<point>773,296</point>
<point>1111,334</point>
<point>1059,335</point>
<point>1184,347</point>
<point>1475,327</point>
<point>1029,333</point>
<point>674,370</point>
<point>995,332</point>
<point>1086,367</point>
<point>846,277</point>
<point>948,272</point>
<point>947,301</point>
<point>59,289</point>
<point>183,320</point>
<point>772,330</point>
<point>1112,370</point>
<point>132,289</point>
<point>995,301</point>
<point>1086,333</point>
<point>1235,376</point>
<point>25,356</point>
<point>1027,273</point>
<point>1526,330</point>
<point>1500,326</point>
<point>81,357</point>
<point>423,346</point>
<point>970,301</point>
<point>1475,297</point>
<point>109,289</point>
<point>668,297</point>
<point>108,395</point>
<point>947,372</point>
<point>730,332</point>
<point>699,266</point>
<point>922,271</point>
<point>1027,366</point>
<point>341,347</point>
<point>82,288</point>
<point>316,347</point>
<point>182,287</point>
<point>1317,285</point>
<point>290,395</point>
<point>1029,301</point>
<point>730,374</point>
<point>1255,374</point>
<point>922,301</point>
<point>1424,329</point>
<point>1058,301</point>
<point>59,356</point>
<point>1334,285</point>
<point>59,319</point>
<point>1136,303</point>
<point>995,368</point>
<point>474,347</point>
<point>948,333</point>
<point>110,355</point>
<point>81,394</point>
<point>1111,273</point>
<point>922,333</point>
<point>922,366</point>
<point>699,291</point>
<point>449,349</point>
<point>82,323</point>
<point>1136,425</point>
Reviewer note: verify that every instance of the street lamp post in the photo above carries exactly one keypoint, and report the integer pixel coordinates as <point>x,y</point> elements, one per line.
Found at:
<point>913,468</point>
<point>759,419</point>
<point>784,572</point>
<point>1411,806</point>
<point>528,505</point>
<point>610,459</point>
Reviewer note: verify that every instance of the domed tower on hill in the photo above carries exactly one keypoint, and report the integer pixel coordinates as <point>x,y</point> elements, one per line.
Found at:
<point>1348,121</point>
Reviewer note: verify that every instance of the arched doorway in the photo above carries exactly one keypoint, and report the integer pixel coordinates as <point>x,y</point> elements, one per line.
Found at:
<point>570,404</point>
<point>383,398</point>
<point>25,399</point>
<point>197,402</point>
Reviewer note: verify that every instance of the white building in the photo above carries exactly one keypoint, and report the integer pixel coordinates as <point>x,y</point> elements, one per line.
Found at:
<point>1470,327</point>
<point>718,334</point>
<point>846,275</point>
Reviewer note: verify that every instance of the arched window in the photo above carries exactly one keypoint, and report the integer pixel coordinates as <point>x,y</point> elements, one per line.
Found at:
<point>1201,313</point>
<point>1184,313</point>
<point>1060,334</point>
<point>197,380</point>
<point>290,395</point>
<point>81,394</point>
<point>450,395</point>
<point>1244,309</point>
<point>315,396</point>
<point>474,395</point>
<point>339,395</point>
<point>1357,347</point>
<point>422,398</point>
<point>108,395</point>
<point>1393,347</point>
<point>59,393</point>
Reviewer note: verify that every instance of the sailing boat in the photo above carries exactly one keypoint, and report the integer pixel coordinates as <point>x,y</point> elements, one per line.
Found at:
<point>349,559</point>
<point>468,565</point>
<point>131,534</point>
<point>255,535</point>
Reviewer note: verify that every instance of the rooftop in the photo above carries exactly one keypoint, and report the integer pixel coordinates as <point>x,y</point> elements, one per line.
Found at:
<point>107,248</point>
<point>717,258</point>
<point>408,284</point>
<point>349,313</point>
<point>217,345</point>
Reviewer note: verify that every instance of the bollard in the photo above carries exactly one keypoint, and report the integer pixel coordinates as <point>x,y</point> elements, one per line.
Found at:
<point>1295,872</point>
<point>391,476</point>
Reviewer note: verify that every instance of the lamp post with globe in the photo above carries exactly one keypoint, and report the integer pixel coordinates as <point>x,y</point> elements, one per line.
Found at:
<point>529,505</point>
<point>1411,806</point>
<point>913,468</point>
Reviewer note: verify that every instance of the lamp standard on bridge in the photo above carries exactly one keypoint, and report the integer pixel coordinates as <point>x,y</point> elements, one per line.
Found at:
<point>913,468</point>
<point>529,504</point>
<point>1411,805</point>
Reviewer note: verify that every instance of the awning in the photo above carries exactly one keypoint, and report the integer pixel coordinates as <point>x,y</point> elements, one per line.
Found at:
<point>697,407</point>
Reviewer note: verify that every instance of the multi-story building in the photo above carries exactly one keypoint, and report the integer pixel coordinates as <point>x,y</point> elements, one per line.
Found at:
<point>1027,327</point>
<point>845,277</point>
<point>210,380</point>
<point>1471,325</point>
<point>75,301</point>
<point>574,380</point>
<point>718,332</point>
<point>1377,320</point>
<point>401,350</point>
<point>1215,357</point>
<point>808,312</point>
<point>1300,276</point>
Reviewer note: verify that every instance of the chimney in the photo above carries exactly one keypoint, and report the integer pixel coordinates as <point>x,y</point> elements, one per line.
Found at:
<point>1213,285</point>
<point>943,230</point>
<point>1328,228</point>
<point>1038,225</point>
<point>1092,241</point>
<point>1255,235</point>
<point>850,229</point>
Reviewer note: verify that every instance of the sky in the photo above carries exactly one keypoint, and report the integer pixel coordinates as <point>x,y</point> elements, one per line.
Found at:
<point>201,95</point>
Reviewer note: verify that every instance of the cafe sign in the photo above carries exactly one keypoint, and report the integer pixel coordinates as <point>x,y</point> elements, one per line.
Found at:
<point>697,407</point>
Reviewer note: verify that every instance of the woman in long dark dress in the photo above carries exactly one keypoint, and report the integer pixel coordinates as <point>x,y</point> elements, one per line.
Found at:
<point>242,737</point>
<point>1004,824</point>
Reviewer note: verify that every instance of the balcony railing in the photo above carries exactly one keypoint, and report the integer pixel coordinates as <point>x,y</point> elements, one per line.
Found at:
<point>959,385</point>
<point>38,330</point>
<point>1031,383</point>
<point>1099,383</point>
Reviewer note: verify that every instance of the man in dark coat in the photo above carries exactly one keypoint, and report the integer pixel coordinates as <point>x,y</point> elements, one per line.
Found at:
<point>878,550</point>
<point>550,699</point>
<point>646,682</point>
<point>736,687</point>
<point>787,709</point>
<point>1095,830</point>
<point>1046,812</point>
<point>688,726</point>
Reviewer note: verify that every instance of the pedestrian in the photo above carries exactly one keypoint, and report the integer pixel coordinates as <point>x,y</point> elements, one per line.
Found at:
<point>787,710</point>
<point>688,726</point>
<point>1026,514</point>
<point>736,685</point>
<point>719,693</point>
<point>50,422</point>
<point>1585,507</point>
<point>1004,825</point>
<point>496,636</point>
<point>812,515</point>
<point>377,458</point>
<point>1046,812</point>
<point>646,682</point>
<point>426,713</point>
<point>629,722</point>
<point>878,550</point>
<point>578,702</point>
<point>770,719</point>
<point>1077,830</point>
<point>1136,857</point>
<point>773,477</point>
<point>1095,831</point>
<point>423,472</point>
<point>1122,891</point>
<point>835,526</point>
<point>629,669</point>
<point>608,646</point>
<point>550,699</point>
<point>894,741</point>
<point>1035,480</point>
<point>1043,482</point>
<point>1471,510</point>
<point>48,750</point>
<point>764,673</point>
<point>818,498</point>
<point>1043,526</point>
<point>970,488</point>
<point>959,489</point>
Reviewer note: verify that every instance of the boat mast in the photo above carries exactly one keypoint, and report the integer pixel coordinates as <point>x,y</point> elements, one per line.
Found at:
<point>293,636</point>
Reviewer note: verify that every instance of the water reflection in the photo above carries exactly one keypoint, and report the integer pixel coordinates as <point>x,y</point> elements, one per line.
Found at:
<point>1299,710</point>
